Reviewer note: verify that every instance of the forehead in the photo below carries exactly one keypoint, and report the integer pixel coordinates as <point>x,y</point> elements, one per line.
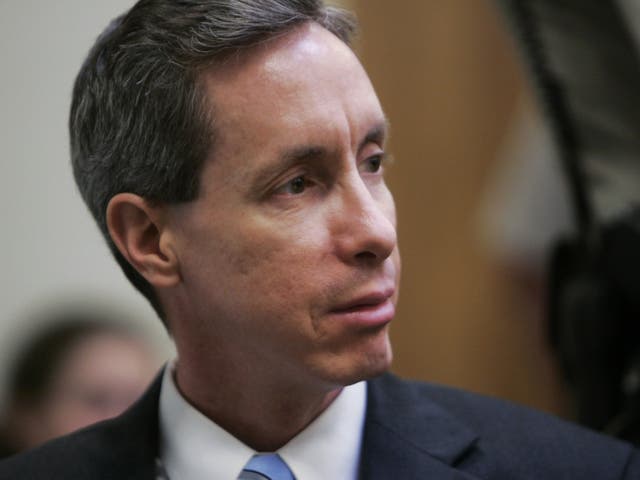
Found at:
<point>282,54</point>
<point>306,82</point>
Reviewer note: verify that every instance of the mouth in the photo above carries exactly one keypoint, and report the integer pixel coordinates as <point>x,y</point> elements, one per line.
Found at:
<point>373,309</point>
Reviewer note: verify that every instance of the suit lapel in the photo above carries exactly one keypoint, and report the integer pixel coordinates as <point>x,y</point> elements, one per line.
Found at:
<point>407,436</point>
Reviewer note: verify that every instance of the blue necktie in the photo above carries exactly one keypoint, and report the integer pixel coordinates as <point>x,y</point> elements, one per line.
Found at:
<point>269,466</point>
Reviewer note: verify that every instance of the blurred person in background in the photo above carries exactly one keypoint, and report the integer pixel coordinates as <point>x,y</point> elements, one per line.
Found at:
<point>79,369</point>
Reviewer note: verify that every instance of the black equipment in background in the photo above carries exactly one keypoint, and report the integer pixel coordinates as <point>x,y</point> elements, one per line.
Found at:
<point>584,59</point>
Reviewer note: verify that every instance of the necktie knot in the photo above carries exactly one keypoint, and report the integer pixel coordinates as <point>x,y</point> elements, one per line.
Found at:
<point>269,466</point>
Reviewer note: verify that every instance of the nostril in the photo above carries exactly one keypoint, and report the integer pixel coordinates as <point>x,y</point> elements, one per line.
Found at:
<point>366,255</point>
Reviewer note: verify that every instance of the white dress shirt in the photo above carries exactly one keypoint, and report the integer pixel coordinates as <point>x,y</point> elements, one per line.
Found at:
<point>193,447</point>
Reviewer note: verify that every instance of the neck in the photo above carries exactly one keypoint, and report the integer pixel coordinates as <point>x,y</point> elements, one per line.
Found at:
<point>263,411</point>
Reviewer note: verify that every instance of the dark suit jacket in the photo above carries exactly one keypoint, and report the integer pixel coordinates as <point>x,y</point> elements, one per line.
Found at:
<point>412,431</point>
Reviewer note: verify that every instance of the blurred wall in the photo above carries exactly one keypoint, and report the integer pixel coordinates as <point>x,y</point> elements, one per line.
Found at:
<point>449,80</point>
<point>50,249</point>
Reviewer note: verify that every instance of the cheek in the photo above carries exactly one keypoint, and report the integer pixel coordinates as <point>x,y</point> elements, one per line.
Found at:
<point>279,268</point>
<point>273,288</point>
<point>259,262</point>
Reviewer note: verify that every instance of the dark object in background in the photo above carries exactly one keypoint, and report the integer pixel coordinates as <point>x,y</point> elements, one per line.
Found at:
<point>595,325</point>
<point>586,68</point>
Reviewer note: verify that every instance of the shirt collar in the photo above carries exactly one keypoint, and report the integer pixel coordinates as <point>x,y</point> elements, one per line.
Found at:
<point>194,447</point>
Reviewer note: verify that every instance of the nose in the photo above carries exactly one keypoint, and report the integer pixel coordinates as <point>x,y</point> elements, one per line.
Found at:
<point>366,230</point>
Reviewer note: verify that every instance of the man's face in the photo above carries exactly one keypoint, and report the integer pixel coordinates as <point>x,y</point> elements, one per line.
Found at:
<point>288,257</point>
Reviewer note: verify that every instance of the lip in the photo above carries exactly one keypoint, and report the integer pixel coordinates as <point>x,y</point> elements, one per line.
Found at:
<point>371,310</point>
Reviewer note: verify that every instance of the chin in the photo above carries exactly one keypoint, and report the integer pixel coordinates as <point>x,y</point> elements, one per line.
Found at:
<point>353,361</point>
<point>363,365</point>
<point>376,365</point>
<point>372,370</point>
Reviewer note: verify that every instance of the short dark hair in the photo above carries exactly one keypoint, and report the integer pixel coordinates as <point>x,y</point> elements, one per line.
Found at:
<point>140,121</point>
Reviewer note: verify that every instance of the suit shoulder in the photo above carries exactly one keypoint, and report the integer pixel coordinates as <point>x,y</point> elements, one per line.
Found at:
<point>483,413</point>
<point>512,437</point>
<point>113,449</point>
<point>122,448</point>
<point>59,458</point>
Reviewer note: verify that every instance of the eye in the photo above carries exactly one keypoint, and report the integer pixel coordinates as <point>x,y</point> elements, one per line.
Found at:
<point>373,164</point>
<point>295,186</point>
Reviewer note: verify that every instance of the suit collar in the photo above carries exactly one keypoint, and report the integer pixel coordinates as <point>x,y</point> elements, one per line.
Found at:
<point>409,436</point>
<point>406,435</point>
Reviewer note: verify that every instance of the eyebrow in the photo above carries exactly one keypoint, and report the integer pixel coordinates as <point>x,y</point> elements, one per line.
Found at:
<point>289,158</point>
<point>377,134</point>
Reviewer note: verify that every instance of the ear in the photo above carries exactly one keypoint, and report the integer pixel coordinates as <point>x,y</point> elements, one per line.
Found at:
<point>137,228</point>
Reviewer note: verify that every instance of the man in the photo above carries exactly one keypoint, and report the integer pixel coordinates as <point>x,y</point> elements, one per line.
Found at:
<point>232,152</point>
